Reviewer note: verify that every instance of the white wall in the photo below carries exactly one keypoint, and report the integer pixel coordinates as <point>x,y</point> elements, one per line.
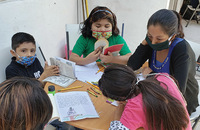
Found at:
<point>46,19</point>
<point>134,14</point>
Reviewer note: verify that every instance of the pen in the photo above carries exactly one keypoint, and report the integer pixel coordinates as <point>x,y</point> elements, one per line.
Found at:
<point>95,90</point>
<point>70,88</point>
<point>92,85</point>
<point>100,70</point>
<point>91,93</point>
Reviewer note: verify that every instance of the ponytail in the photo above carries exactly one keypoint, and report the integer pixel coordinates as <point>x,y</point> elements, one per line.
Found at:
<point>180,27</point>
<point>157,102</point>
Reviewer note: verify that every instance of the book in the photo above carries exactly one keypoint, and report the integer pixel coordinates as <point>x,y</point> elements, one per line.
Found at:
<point>67,72</point>
<point>114,49</point>
<point>71,106</point>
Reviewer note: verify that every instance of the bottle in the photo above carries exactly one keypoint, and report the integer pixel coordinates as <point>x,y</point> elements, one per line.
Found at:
<point>51,90</point>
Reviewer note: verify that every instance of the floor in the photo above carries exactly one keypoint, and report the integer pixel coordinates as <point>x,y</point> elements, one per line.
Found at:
<point>192,33</point>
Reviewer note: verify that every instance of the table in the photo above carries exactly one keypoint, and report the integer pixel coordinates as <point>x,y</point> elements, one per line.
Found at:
<point>104,109</point>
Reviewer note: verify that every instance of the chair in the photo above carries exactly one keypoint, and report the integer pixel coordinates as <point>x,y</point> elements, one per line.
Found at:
<point>5,59</point>
<point>72,34</point>
<point>194,12</point>
<point>195,116</point>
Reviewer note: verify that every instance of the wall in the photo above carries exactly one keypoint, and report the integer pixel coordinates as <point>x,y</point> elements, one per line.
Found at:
<point>134,14</point>
<point>44,19</point>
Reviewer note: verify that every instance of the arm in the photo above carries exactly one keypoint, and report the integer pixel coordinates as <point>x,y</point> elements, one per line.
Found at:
<point>179,65</point>
<point>92,57</point>
<point>115,59</point>
<point>139,57</point>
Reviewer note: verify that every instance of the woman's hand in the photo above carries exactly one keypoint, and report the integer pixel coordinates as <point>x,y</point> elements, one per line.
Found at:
<point>144,42</point>
<point>146,71</point>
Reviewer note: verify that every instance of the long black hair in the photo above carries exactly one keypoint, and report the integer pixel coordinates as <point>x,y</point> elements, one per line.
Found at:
<point>119,82</point>
<point>169,21</point>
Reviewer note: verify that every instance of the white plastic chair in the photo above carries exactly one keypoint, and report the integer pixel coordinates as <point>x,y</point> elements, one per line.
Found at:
<point>72,35</point>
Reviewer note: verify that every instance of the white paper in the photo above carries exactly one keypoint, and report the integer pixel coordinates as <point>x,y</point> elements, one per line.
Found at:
<point>75,105</point>
<point>88,72</point>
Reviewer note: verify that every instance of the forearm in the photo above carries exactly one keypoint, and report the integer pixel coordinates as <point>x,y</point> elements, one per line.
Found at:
<point>79,60</point>
<point>139,57</point>
<point>121,59</point>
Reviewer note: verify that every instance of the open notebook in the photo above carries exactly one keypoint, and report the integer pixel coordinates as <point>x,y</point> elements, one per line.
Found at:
<point>67,72</point>
<point>70,106</point>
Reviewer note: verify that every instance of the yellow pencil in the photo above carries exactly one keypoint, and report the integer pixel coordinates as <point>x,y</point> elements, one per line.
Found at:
<point>91,93</point>
<point>93,85</point>
<point>69,88</point>
<point>100,70</point>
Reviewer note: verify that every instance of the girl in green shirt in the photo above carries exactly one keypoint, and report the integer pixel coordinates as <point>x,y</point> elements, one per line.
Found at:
<point>100,23</point>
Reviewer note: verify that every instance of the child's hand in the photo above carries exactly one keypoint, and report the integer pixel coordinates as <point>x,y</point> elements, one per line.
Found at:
<point>52,70</point>
<point>106,58</point>
<point>93,56</point>
<point>119,110</point>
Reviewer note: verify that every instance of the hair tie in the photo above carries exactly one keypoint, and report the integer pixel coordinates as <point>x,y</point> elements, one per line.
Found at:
<point>102,11</point>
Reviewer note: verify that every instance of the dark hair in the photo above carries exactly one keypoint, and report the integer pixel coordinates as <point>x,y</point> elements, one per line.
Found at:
<point>96,14</point>
<point>120,83</point>
<point>169,21</point>
<point>20,38</point>
<point>24,104</point>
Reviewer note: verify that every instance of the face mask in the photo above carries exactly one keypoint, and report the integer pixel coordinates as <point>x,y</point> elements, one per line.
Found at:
<point>159,46</point>
<point>26,61</point>
<point>100,34</point>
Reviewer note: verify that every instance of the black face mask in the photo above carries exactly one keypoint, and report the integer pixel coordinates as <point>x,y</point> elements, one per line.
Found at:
<point>158,46</point>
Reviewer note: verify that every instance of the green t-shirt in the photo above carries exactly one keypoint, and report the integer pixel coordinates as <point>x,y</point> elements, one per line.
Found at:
<point>85,46</point>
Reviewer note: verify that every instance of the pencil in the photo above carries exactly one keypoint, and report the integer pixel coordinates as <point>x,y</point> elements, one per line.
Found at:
<point>93,85</point>
<point>95,90</point>
<point>100,70</point>
<point>91,93</point>
<point>69,88</point>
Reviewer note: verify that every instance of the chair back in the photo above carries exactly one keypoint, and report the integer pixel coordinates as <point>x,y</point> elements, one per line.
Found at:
<point>72,35</point>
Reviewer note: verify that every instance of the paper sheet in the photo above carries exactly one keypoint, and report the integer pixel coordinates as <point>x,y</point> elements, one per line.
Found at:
<point>88,72</point>
<point>75,105</point>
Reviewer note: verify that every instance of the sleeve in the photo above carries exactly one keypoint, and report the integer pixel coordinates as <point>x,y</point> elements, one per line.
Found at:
<point>138,58</point>
<point>117,125</point>
<point>180,61</point>
<point>125,49</point>
<point>79,47</point>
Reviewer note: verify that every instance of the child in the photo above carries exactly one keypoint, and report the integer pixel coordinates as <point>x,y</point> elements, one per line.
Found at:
<point>168,52</point>
<point>153,103</point>
<point>24,104</point>
<point>100,23</point>
<point>24,61</point>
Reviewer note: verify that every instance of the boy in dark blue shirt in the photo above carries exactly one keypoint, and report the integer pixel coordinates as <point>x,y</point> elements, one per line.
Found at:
<point>24,61</point>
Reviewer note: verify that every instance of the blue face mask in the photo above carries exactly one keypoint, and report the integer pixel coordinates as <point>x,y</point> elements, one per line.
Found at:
<point>159,46</point>
<point>26,61</point>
